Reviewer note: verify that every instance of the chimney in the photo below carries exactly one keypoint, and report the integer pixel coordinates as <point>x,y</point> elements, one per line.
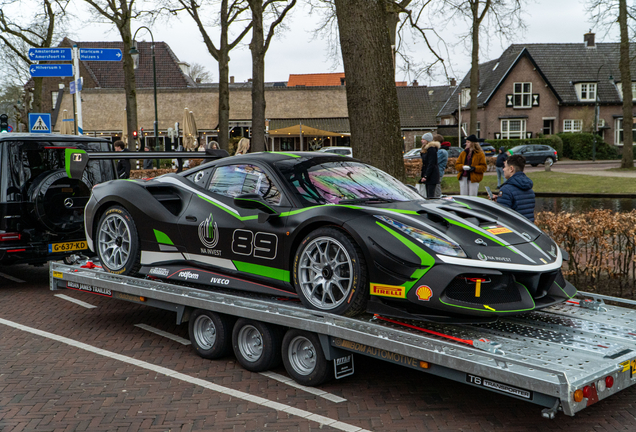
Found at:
<point>231,80</point>
<point>415,83</point>
<point>453,82</point>
<point>588,38</point>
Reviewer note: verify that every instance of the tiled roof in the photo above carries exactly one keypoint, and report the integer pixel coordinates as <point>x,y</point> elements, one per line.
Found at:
<point>415,107</point>
<point>562,65</point>
<point>338,124</point>
<point>109,74</point>
<point>438,95</point>
<point>319,79</point>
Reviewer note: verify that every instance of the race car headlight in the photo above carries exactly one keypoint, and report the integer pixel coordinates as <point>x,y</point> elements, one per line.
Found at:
<point>439,245</point>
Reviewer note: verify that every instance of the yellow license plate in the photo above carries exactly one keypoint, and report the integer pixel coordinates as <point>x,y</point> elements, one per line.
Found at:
<point>67,246</point>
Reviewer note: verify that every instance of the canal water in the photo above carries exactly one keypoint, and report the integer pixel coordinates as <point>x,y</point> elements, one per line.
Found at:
<point>577,204</point>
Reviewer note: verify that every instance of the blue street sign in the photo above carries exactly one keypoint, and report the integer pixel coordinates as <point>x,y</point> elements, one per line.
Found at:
<point>49,54</point>
<point>39,123</point>
<point>51,70</point>
<point>100,54</point>
<point>76,85</point>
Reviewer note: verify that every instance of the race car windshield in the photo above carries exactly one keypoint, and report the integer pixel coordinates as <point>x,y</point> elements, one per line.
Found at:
<point>345,182</point>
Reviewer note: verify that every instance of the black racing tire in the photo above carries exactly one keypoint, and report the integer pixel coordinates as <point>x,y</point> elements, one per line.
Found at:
<point>257,346</point>
<point>117,242</point>
<point>304,359</point>
<point>58,201</point>
<point>548,161</point>
<point>332,281</point>
<point>210,334</point>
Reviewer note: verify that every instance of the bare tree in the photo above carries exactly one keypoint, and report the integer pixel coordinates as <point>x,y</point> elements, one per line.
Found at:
<point>199,73</point>
<point>371,94</point>
<point>229,12</point>
<point>121,13</point>
<point>276,10</point>
<point>607,13</point>
<point>40,32</point>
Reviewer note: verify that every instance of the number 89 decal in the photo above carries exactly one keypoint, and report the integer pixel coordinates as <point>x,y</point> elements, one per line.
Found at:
<point>261,245</point>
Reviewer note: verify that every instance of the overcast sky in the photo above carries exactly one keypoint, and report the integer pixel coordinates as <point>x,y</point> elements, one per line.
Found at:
<point>296,51</point>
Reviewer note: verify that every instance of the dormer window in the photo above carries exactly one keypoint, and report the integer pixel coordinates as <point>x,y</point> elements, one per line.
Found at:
<point>586,92</point>
<point>619,87</point>
<point>522,95</point>
<point>465,97</point>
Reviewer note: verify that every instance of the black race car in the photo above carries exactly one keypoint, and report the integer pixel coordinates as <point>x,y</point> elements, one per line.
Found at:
<point>341,235</point>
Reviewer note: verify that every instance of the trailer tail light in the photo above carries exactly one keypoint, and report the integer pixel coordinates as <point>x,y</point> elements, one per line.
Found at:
<point>587,392</point>
<point>600,385</point>
<point>10,236</point>
<point>578,395</point>
<point>424,365</point>
<point>609,382</point>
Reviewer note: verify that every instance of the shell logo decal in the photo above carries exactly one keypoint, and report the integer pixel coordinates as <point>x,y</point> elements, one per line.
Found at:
<point>424,293</point>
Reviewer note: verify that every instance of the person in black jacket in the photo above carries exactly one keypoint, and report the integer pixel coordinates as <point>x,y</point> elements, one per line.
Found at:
<point>501,158</point>
<point>430,169</point>
<point>123,165</point>
<point>516,193</point>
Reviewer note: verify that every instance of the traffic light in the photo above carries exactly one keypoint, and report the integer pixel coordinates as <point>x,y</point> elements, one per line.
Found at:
<point>134,134</point>
<point>4,123</point>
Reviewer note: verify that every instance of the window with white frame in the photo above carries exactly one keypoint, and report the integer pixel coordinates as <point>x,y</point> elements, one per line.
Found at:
<point>619,86</point>
<point>618,131</point>
<point>522,95</point>
<point>513,129</point>
<point>586,91</point>
<point>54,95</point>
<point>465,97</point>
<point>572,125</point>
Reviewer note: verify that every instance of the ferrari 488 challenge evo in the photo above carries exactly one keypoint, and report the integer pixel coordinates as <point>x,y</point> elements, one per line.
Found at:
<point>341,235</point>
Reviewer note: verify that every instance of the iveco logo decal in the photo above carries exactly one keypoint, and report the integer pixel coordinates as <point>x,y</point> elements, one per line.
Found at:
<point>481,242</point>
<point>209,232</point>
<point>68,202</point>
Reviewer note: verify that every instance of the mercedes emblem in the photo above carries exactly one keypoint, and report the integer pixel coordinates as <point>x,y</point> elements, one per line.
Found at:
<point>68,202</point>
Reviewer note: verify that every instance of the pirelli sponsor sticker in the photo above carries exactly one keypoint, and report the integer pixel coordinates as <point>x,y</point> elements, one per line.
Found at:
<point>388,291</point>
<point>498,230</point>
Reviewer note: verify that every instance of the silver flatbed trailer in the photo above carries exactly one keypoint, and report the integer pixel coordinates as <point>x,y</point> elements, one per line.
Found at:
<point>564,358</point>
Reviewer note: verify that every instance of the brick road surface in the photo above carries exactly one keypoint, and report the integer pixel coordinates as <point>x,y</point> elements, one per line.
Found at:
<point>47,385</point>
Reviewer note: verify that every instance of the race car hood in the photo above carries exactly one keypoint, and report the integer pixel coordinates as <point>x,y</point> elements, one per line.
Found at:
<point>488,234</point>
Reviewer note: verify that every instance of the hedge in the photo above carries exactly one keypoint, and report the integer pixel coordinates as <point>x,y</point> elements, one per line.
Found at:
<point>578,146</point>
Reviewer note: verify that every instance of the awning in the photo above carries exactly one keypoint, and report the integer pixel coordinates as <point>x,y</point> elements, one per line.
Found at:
<point>306,130</point>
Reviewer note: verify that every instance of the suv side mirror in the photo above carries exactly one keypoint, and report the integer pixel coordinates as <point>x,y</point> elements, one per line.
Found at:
<point>255,202</point>
<point>76,161</point>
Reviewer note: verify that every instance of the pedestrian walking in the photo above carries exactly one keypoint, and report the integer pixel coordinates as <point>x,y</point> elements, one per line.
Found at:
<point>501,158</point>
<point>471,166</point>
<point>442,162</point>
<point>516,193</point>
<point>430,169</point>
<point>147,162</point>
<point>123,165</point>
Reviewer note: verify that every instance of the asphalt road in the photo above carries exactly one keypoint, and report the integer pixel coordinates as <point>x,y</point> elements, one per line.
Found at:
<point>102,366</point>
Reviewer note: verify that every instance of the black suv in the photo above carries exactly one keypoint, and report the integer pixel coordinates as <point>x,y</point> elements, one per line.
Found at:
<point>536,154</point>
<point>41,209</point>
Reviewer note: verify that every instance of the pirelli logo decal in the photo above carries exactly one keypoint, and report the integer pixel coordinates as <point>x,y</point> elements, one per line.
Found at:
<point>499,230</point>
<point>388,291</point>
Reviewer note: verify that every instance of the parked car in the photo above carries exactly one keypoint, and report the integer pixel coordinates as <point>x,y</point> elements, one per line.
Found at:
<point>453,152</point>
<point>489,150</point>
<point>41,209</point>
<point>344,151</point>
<point>536,154</point>
<point>332,231</point>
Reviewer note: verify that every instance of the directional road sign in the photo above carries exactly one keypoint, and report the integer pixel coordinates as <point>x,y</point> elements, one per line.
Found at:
<point>76,85</point>
<point>39,123</point>
<point>49,54</point>
<point>100,54</point>
<point>51,70</point>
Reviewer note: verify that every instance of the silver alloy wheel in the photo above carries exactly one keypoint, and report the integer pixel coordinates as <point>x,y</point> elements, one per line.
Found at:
<point>302,355</point>
<point>114,241</point>
<point>549,161</point>
<point>250,343</point>
<point>325,273</point>
<point>204,332</point>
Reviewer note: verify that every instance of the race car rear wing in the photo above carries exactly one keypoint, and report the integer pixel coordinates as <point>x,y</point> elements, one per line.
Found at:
<point>76,159</point>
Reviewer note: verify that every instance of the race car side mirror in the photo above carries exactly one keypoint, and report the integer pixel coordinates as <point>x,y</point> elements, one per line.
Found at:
<point>75,162</point>
<point>255,202</point>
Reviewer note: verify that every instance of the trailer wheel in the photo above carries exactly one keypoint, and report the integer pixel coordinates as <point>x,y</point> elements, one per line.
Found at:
<point>210,334</point>
<point>304,360</point>
<point>117,242</point>
<point>257,346</point>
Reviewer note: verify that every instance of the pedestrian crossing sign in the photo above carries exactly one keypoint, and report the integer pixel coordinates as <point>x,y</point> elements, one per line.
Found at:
<point>39,123</point>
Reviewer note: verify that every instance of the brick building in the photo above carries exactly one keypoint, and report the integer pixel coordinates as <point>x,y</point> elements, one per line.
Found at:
<point>545,89</point>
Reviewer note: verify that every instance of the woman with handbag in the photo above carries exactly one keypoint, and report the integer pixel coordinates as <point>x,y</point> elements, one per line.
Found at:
<point>471,166</point>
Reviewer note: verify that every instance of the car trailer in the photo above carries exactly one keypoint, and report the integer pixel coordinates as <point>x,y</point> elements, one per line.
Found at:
<point>564,358</point>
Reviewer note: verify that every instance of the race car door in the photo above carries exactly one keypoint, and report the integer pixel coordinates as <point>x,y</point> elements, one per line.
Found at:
<point>222,235</point>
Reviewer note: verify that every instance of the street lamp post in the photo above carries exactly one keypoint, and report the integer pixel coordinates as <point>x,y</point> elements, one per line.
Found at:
<point>134,53</point>
<point>596,111</point>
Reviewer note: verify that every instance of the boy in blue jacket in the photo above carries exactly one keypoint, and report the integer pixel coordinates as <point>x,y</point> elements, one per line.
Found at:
<point>516,193</point>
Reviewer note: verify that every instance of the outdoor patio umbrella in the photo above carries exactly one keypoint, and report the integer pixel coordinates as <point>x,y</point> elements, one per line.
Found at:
<point>195,131</point>
<point>124,129</point>
<point>189,137</point>
<point>67,124</point>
